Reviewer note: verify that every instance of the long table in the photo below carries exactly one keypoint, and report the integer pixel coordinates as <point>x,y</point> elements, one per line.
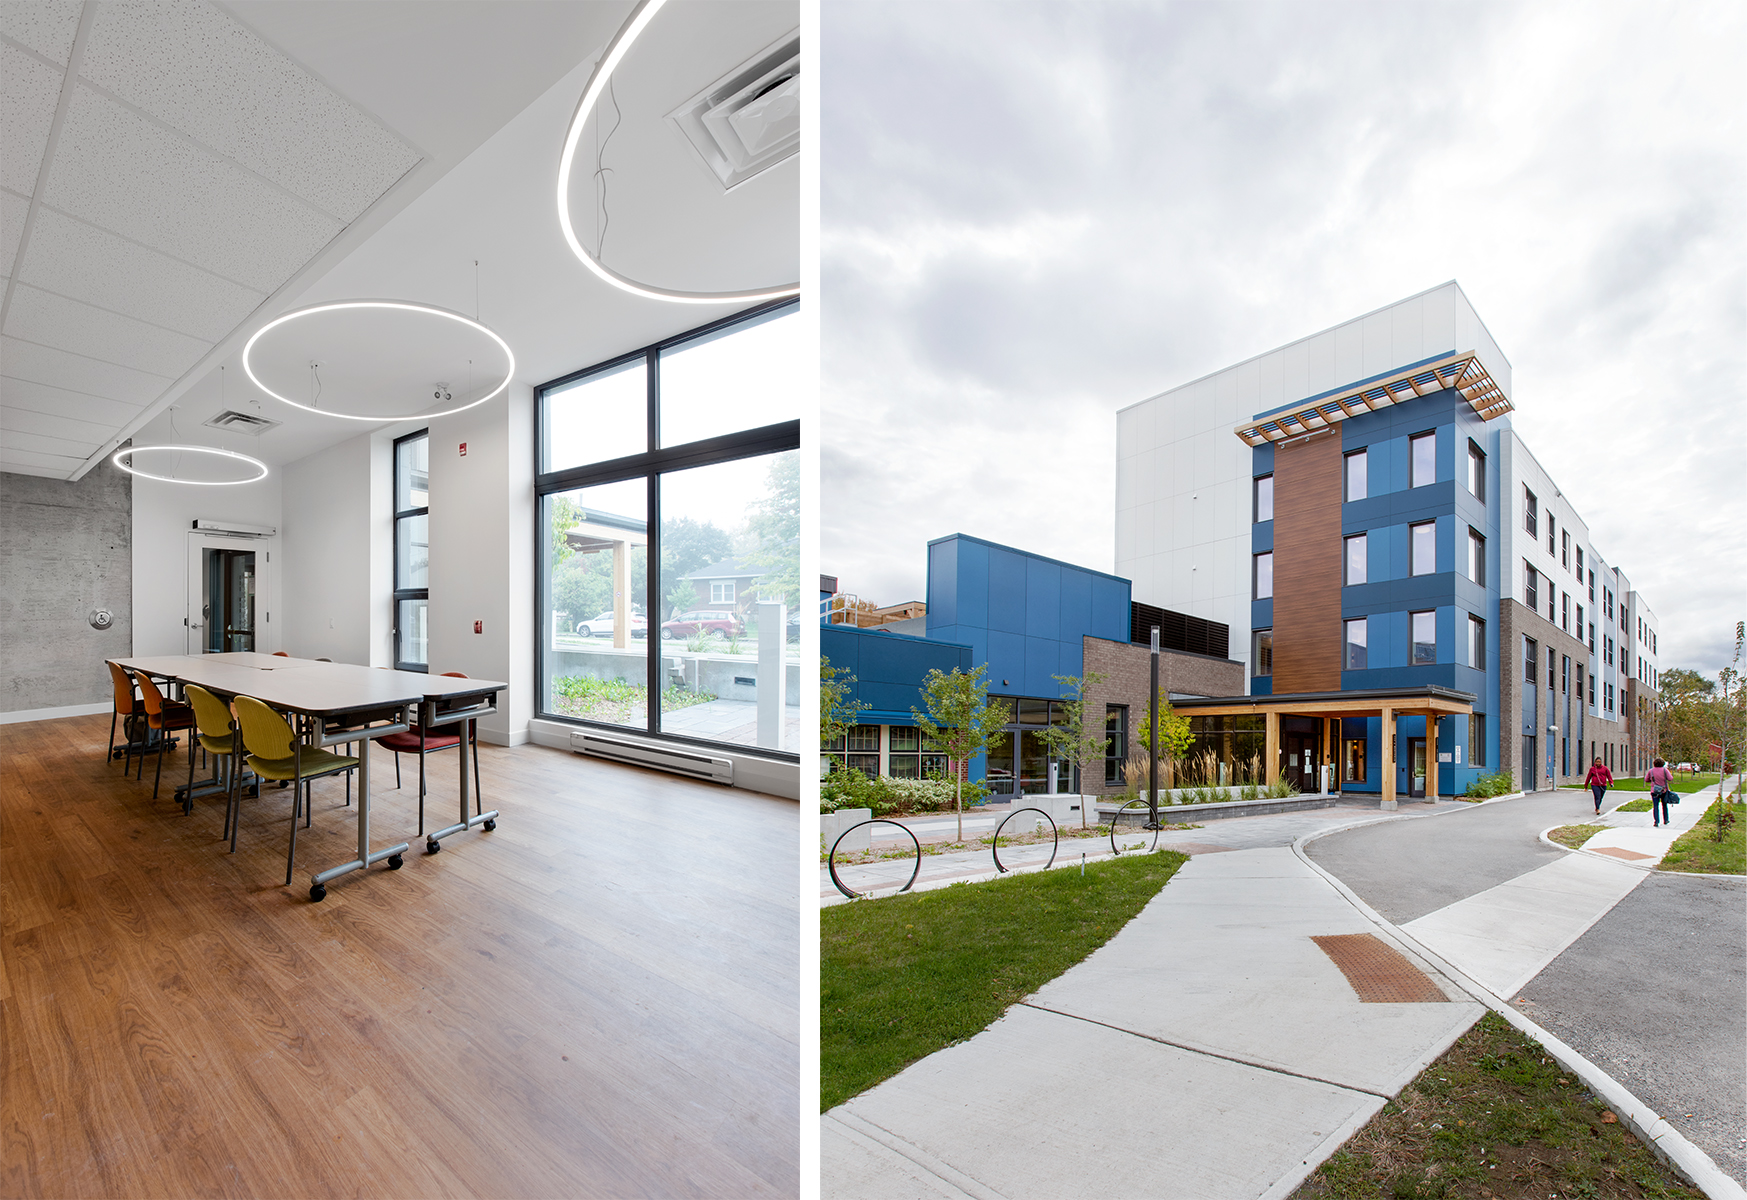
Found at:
<point>344,703</point>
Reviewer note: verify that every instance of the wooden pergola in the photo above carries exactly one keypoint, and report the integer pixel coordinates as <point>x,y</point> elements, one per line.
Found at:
<point>1429,701</point>
<point>1464,372</point>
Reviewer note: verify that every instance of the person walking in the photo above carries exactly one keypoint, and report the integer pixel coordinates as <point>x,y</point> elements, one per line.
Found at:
<point>1661,792</point>
<point>1599,781</point>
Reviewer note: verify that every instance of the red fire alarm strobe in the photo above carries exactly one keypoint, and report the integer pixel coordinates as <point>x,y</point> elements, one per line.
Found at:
<point>479,627</point>
<point>464,455</point>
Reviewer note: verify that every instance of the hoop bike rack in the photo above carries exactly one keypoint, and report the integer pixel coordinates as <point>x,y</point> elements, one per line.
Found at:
<point>995,846</point>
<point>1132,804</point>
<point>831,860</point>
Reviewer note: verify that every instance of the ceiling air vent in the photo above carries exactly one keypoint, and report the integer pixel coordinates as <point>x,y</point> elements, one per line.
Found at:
<point>236,422</point>
<point>750,119</point>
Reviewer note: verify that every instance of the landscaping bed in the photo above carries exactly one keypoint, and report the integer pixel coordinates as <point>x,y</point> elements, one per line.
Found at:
<point>1698,850</point>
<point>1573,836</point>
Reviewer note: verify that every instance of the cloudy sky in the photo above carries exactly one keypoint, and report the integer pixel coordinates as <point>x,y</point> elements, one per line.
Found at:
<point>1036,214</point>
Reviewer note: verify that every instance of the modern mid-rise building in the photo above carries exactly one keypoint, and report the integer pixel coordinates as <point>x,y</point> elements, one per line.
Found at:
<point>1390,558</point>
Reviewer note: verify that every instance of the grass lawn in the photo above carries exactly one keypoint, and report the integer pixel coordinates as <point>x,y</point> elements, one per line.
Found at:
<point>1574,835</point>
<point>1494,1117</point>
<point>1641,804</point>
<point>1684,784</point>
<point>1698,850</point>
<point>905,976</point>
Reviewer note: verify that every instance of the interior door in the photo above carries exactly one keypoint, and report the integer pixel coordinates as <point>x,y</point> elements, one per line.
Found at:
<point>228,590</point>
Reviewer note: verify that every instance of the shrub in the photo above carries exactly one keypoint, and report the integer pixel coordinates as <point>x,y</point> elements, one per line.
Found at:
<point>886,796</point>
<point>1498,784</point>
<point>1280,789</point>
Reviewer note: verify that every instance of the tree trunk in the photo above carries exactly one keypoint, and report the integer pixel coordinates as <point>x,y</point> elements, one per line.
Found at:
<point>958,796</point>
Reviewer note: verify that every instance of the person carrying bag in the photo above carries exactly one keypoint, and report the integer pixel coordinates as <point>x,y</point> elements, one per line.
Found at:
<point>1599,781</point>
<point>1662,793</point>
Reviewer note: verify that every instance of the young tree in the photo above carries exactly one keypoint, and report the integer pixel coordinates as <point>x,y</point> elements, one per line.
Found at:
<point>960,723</point>
<point>836,712</point>
<point>1079,741</point>
<point>1175,739</point>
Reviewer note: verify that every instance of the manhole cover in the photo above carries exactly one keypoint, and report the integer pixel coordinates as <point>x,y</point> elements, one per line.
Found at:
<point>1378,972</point>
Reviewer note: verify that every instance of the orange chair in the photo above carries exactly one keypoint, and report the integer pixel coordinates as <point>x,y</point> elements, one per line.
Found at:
<point>421,742</point>
<point>280,654</point>
<point>164,717</point>
<point>127,708</point>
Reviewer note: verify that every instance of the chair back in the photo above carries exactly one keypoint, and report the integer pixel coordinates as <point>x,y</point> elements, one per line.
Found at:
<point>211,715</point>
<point>125,700</point>
<point>153,697</point>
<point>454,675</point>
<point>266,735</point>
<point>281,654</point>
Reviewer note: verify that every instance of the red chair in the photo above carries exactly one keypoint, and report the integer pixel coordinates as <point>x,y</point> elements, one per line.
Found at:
<point>164,717</point>
<point>420,741</point>
<point>280,654</point>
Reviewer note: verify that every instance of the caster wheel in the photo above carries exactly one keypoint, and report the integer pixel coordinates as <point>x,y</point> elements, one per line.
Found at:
<point>395,862</point>
<point>283,783</point>
<point>318,892</point>
<point>432,846</point>
<point>489,826</point>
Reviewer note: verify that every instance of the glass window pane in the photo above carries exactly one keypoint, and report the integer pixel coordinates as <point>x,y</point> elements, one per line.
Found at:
<point>1265,498</point>
<point>744,377</point>
<point>1425,638</point>
<point>1355,642</point>
<point>1033,712</point>
<point>1262,660</point>
<point>595,612</point>
<point>1425,459</point>
<point>1356,559</point>
<point>1264,576</point>
<point>729,599</point>
<point>598,418</point>
<point>1425,548</point>
<point>412,552</point>
<point>412,474</point>
<point>410,639</point>
<point>1356,476</point>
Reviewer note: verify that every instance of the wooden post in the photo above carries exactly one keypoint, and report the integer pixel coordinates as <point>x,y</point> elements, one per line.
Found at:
<point>1271,748</point>
<point>1387,757</point>
<point>1431,757</point>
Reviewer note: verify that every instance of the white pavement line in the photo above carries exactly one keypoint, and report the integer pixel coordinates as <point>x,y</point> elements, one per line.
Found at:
<point>1668,1143</point>
<point>1231,1058</point>
<point>918,1165</point>
<point>1507,935</point>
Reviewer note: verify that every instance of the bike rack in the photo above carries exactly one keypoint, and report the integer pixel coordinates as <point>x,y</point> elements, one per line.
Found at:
<point>995,847</point>
<point>831,859</point>
<point>1123,809</point>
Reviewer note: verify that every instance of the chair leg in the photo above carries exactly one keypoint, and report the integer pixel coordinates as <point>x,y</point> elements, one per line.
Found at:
<point>188,796</point>
<point>110,757</point>
<point>421,791</point>
<point>237,797</point>
<point>397,770</point>
<point>478,799</point>
<point>291,854</point>
<point>159,774</point>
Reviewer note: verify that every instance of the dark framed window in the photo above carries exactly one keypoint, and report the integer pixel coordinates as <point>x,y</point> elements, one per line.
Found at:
<point>1552,548</point>
<point>1115,743</point>
<point>1262,652</point>
<point>1477,739</point>
<point>1476,556</point>
<point>1580,566</point>
<point>1423,552</point>
<point>1531,588</point>
<point>1531,650</point>
<point>667,482</point>
<point>1422,450</point>
<point>1477,472</point>
<point>1264,499</point>
<point>1356,481</point>
<point>1262,577</point>
<point>1353,655</point>
<point>1424,627</point>
<point>1565,611</point>
<point>1355,559</point>
<point>1531,513</point>
<point>1476,643</point>
<point>412,550</point>
<point>1592,586</point>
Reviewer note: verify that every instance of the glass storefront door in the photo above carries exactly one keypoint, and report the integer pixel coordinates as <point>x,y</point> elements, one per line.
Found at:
<point>1416,757</point>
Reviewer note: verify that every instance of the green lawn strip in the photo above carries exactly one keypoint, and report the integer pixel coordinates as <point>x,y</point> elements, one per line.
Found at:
<point>1574,836</point>
<point>1642,804</point>
<point>1698,850</point>
<point>905,976</point>
<point>1496,1116</point>
<point>1684,784</point>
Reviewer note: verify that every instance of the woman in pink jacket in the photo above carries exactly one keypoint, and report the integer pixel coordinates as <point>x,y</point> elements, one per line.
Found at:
<point>1599,781</point>
<point>1661,792</point>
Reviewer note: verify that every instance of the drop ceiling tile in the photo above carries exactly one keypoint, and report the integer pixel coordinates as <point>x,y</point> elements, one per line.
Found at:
<point>85,263</point>
<point>201,72</point>
<point>46,26</point>
<point>29,92</point>
<point>115,169</point>
<point>36,443</point>
<point>12,211</point>
<point>55,466</point>
<point>43,398</point>
<point>26,420</point>
<point>29,362</point>
<point>51,320</point>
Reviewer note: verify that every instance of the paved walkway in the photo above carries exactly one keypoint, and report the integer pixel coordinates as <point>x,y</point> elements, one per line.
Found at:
<point>1211,1048</point>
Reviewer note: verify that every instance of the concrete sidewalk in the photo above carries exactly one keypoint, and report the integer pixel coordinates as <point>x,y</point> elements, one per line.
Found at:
<point>1630,838</point>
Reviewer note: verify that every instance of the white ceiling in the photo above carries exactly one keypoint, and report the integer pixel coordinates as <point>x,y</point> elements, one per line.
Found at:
<point>184,196</point>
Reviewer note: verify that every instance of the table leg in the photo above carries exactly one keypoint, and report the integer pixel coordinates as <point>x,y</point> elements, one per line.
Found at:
<point>318,883</point>
<point>487,821</point>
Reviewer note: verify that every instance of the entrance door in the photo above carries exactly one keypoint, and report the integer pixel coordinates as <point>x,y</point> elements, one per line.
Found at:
<point>1416,758</point>
<point>1033,763</point>
<point>1301,761</point>
<point>226,587</point>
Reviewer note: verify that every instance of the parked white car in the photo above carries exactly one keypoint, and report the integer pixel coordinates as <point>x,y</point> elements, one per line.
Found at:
<point>602,626</point>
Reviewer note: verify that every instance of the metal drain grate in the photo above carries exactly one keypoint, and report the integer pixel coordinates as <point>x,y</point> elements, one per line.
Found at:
<point>1378,972</point>
<point>1628,855</point>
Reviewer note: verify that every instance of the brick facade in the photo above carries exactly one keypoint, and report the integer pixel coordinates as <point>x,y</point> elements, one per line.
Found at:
<point>1516,622</point>
<point>1127,669</point>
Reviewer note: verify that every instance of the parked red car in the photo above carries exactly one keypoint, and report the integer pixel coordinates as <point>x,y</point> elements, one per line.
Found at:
<point>686,624</point>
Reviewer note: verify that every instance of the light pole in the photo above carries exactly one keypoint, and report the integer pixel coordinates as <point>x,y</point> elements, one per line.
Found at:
<point>1153,737</point>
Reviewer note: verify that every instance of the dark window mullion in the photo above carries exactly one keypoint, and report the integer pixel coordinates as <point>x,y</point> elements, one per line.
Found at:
<point>651,581</point>
<point>751,443</point>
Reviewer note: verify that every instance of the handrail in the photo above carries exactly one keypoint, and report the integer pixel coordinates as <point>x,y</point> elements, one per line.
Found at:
<point>1125,808</point>
<point>831,859</point>
<point>995,847</point>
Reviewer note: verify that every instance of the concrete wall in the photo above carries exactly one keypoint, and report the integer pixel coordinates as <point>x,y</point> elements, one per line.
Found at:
<point>65,549</point>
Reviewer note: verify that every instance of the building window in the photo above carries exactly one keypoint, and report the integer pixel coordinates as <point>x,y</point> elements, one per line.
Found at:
<point>1592,689</point>
<point>1262,652</point>
<point>1551,548</point>
<point>1565,674</point>
<point>1531,586</point>
<point>1354,659</point>
<point>1264,498</point>
<point>1565,549</point>
<point>1476,472</point>
<point>1552,671</point>
<point>412,550</point>
<point>1477,739</point>
<point>1476,643</point>
<point>1607,643</point>
<point>1425,638</point>
<point>1580,566</point>
<point>1565,611</point>
<point>1531,664</point>
<point>1355,559</point>
<point>1531,513</point>
<point>1423,539</point>
<point>1355,470</point>
<point>1592,637</point>
<point>904,752</point>
<point>668,501</point>
<point>1264,576</point>
<point>1552,608</point>
<point>1607,603</point>
<point>1422,452</point>
<point>1623,626</point>
<point>1115,743</point>
<point>1353,760</point>
<point>1592,587</point>
<point>864,749</point>
<point>1476,557</point>
<point>1580,622</point>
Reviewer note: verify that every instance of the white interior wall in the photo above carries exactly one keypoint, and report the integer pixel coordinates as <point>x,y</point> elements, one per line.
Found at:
<point>333,534</point>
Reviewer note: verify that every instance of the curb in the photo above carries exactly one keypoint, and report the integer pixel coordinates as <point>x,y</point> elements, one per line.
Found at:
<point>1665,1141</point>
<point>1648,868</point>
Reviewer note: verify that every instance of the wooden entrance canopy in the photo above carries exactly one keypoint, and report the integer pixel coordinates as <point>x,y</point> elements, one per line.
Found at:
<point>1430,702</point>
<point>1463,371</point>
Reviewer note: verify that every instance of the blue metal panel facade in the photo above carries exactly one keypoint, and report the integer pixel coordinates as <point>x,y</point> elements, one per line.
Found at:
<point>889,668</point>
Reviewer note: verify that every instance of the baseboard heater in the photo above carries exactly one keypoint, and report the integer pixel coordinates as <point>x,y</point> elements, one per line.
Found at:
<point>697,764</point>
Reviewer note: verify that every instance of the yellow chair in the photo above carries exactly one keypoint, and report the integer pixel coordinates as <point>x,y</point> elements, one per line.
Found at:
<point>218,737</point>
<point>274,753</point>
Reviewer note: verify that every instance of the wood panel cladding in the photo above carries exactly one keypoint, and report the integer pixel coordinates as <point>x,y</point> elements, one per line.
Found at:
<point>1307,565</point>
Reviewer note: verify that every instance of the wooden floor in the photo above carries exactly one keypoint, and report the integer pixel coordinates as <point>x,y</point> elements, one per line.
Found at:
<point>600,998</point>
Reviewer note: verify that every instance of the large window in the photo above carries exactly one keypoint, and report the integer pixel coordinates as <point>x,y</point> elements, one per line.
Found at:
<point>1115,743</point>
<point>1423,459</point>
<point>1423,539</point>
<point>412,550</point>
<point>669,489</point>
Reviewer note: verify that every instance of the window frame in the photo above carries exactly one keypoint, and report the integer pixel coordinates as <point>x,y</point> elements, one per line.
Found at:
<point>1363,454</point>
<point>400,514</point>
<point>1531,587</point>
<point>1364,572</point>
<point>1256,575</point>
<point>1413,540</point>
<point>649,465</point>
<point>1413,642</point>
<point>1476,557</point>
<point>1256,489</point>
<point>1476,642</point>
<point>1476,471</point>
<point>1347,643</point>
<point>1256,637</point>
<point>1413,444</point>
<point>1531,513</point>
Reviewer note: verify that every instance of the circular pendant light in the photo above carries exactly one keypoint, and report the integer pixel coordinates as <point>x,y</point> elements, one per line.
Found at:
<point>442,393</point>
<point>597,82</point>
<point>127,458</point>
